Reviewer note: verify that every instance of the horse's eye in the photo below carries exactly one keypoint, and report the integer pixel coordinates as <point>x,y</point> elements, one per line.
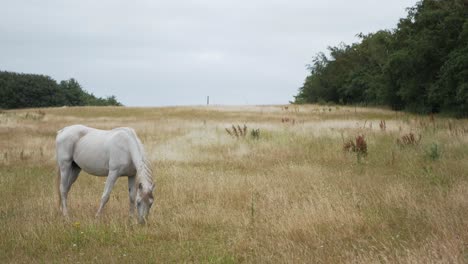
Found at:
<point>138,203</point>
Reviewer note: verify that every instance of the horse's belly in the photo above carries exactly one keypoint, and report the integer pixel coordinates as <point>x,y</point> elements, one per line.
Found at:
<point>94,168</point>
<point>92,156</point>
<point>98,167</point>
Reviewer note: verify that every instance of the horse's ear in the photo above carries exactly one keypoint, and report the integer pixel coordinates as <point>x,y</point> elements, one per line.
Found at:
<point>140,186</point>
<point>152,187</point>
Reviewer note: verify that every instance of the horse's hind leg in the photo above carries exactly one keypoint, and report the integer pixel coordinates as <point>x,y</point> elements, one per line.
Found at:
<point>69,172</point>
<point>65,173</point>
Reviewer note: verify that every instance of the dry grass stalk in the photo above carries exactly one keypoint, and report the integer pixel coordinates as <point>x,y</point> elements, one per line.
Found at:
<point>349,145</point>
<point>36,115</point>
<point>288,120</point>
<point>237,131</point>
<point>234,129</point>
<point>383,125</point>
<point>361,145</point>
<point>22,155</point>
<point>358,145</point>
<point>456,131</point>
<point>408,140</point>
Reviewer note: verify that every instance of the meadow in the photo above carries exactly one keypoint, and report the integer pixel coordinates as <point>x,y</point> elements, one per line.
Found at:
<point>298,190</point>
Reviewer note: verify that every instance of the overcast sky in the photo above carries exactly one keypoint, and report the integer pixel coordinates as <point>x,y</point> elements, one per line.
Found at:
<point>153,53</point>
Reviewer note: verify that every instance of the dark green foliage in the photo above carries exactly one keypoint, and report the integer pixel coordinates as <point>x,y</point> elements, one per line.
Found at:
<point>73,92</point>
<point>33,90</point>
<point>433,152</point>
<point>255,134</point>
<point>420,66</point>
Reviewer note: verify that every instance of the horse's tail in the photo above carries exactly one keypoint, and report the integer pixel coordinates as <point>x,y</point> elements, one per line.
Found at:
<point>58,188</point>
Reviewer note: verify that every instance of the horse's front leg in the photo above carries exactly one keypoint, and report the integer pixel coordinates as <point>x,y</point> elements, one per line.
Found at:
<point>131,194</point>
<point>111,179</point>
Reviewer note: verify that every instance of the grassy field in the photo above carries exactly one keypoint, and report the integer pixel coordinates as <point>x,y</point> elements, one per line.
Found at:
<point>291,195</point>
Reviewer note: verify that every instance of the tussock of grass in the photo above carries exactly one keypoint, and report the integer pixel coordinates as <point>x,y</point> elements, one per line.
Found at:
<point>290,195</point>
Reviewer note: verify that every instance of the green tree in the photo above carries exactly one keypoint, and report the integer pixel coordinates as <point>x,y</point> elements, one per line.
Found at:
<point>74,94</point>
<point>32,90</point>
<point>420,66</point>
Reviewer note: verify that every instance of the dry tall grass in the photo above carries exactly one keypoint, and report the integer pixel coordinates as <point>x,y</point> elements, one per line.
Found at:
<point>292,195</point>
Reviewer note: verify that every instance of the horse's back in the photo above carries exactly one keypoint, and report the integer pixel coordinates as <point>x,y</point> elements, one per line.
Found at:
<point>71,135</point>
<point>72,132</point>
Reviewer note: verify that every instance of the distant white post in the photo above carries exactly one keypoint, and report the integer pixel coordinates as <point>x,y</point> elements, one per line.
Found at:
<point>208,100</point>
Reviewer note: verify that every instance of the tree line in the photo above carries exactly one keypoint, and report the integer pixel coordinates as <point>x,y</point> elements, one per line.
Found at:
<point>19,90</point>
<point>421,66</point>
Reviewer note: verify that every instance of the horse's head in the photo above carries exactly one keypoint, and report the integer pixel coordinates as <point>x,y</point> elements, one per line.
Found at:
<point>144,201</point>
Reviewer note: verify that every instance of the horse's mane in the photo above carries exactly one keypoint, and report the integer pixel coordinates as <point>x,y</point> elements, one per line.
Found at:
<point>144,170</point>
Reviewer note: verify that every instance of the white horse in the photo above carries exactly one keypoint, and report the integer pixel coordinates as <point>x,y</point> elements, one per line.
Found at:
<point>112,153</point>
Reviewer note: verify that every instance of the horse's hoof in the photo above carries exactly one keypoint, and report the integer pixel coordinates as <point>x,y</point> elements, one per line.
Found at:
<point>66,217</point>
